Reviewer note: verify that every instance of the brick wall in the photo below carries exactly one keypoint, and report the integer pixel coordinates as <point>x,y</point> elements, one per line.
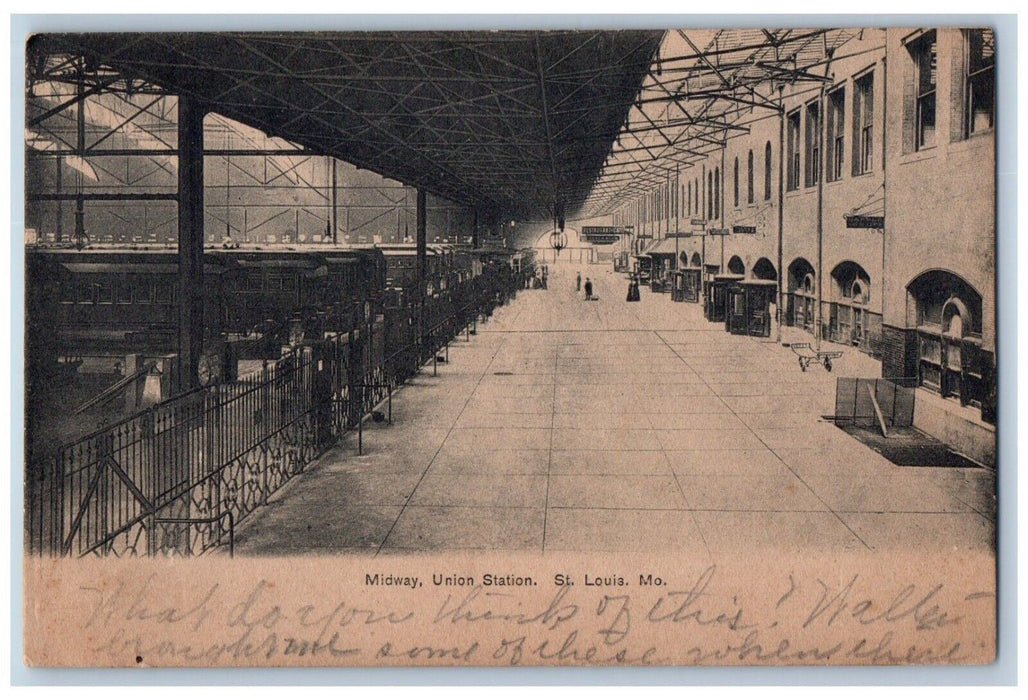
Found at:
<point>899,352</point>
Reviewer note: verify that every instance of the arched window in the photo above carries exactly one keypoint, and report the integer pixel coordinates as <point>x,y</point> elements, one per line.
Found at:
<point>749,177</point>
<point>857,293</point>
<point>717,193</point>
<point>953,315</point>
<point>763,269</point>
<point>689,198</point>
<point>735,184</point>
<point>767,170</point>
<point>800,300</point>
<point>849,322</point>
<point>736,266</point>
<point>710,194</point>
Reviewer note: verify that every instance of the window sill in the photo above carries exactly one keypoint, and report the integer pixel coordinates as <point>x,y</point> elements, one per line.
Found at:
<point>991,131</point>
<point>973,141</point>
<point>918,156</point>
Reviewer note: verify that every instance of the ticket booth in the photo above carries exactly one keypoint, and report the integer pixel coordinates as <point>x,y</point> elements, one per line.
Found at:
<point>716,296</point>
<point>686,285</point>
<point>642,268</point>
<point>661,269</point>
<point>748,307</point>
<point>621,263</point>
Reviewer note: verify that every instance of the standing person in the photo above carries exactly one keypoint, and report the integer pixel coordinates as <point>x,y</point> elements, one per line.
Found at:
<point>588,289</point>
<point>578,282</point>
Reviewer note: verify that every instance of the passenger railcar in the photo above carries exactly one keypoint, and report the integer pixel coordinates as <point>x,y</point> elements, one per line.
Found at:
<point>115,302</point>
<point>112,303</point>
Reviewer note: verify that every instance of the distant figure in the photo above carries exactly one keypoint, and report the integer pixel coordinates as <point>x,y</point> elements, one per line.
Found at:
<point>578,282</point>
<point>588,289</point>
<point>633,289</point>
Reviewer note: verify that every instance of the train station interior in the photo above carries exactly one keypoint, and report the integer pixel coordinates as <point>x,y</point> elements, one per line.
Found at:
<point>312,293</point>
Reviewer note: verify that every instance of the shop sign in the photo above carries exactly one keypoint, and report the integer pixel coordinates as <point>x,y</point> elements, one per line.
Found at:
<point>855,221</point>
<point>606,230</point>
<point>744,229</point>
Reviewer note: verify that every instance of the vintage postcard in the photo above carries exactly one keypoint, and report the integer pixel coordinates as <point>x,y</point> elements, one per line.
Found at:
<point>520,347</point>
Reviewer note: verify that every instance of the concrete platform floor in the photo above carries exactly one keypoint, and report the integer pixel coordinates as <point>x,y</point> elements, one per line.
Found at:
<point>566,425</point>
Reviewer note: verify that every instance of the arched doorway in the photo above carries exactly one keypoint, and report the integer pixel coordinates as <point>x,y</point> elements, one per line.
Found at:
<point>802,297</point>
<point>848,317</point>
<point>763,269</point>
<point>736,266</point>
<point>687,282</point>
<point>947,312</point>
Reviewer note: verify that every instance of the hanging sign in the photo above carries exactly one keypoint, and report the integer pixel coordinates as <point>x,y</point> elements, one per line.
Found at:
<point>718,232</point>
<point>855,221</point>
<point>606,230</point>
<point>698,222</point>
<point>601,238</point>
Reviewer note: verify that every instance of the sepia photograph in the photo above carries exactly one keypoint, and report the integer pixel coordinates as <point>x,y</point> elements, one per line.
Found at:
<point>669,346</point>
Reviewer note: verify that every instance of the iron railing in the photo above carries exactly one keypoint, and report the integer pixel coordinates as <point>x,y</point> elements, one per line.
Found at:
<point>177,478</point>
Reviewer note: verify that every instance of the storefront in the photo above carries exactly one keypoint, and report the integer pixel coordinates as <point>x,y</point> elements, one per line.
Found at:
<point>642,262</point>
<point>950,360</point>
<point>686,285</point>
<point>663,257</point>
<point>748,307</point>
<point>801,301</point>
<point>715,294</point>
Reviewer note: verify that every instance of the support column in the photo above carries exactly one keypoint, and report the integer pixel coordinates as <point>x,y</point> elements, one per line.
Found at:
<point>782,274</point>
<point>422,248</point>
<point>80,151</point>
<point>719,207</point>
<point>190,238</point>
<point>335,210</point>
<point>819,165</point>
<point>474,231</point>
<point>701,194</point>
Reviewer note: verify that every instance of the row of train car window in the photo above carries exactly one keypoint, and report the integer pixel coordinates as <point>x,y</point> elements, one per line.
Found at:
<point>124,292</point>
<point>148,292</point>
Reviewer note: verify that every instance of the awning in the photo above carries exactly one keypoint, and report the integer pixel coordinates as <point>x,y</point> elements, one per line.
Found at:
<point>645,252</point>
<point>665,247</point>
